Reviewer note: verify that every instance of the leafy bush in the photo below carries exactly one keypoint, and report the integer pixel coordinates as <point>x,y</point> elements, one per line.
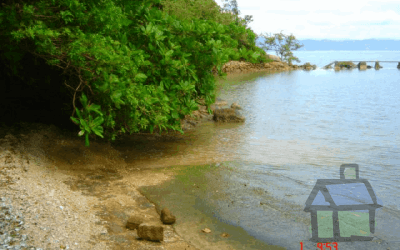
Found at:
<point>139,68</point>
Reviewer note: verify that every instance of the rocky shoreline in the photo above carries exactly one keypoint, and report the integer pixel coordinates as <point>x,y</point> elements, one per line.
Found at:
<point>275,66</point>
<point>45,193</point>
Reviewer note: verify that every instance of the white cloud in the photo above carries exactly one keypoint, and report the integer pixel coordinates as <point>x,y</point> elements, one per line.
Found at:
<point>340,19</point>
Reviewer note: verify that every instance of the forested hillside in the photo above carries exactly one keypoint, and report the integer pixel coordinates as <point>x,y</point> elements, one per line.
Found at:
<point>115,66</point>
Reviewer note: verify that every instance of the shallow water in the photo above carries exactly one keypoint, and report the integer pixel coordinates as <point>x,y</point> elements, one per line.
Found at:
<point>301,126</point>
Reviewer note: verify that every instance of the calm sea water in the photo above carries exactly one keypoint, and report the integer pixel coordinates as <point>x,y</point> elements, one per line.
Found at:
<point>322,58</point>
<point>302,125</point>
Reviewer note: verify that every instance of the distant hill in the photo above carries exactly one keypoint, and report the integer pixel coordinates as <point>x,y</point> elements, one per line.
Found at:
<point>368,44</point>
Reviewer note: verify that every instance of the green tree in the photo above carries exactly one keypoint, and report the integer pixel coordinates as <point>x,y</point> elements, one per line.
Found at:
<point>283,46</point>
<point>231,6</point>
<point>200,9</point>
<point>134,67</point>
<point>208,10</point>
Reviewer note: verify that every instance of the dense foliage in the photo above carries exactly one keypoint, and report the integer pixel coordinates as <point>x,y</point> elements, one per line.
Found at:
<point>138,65</point>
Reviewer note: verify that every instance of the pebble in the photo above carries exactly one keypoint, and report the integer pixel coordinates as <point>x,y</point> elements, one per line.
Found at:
<point>11,223</point>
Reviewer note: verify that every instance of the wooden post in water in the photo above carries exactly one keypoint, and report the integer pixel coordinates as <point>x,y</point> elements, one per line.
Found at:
<point>362,65</point>
<point>377,66</point>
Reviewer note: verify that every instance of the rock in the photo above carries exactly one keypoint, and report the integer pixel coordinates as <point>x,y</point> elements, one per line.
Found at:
<point>377,66</point>
<point>206,230</point>
<point>274,58</point>
<point>308,66</point>
<point>398,65</point>
<point>344,65</point>
<point>167,217</point>
<point>362,65</point>
<point>228,115</point>
<point>235,106</point>
<point>369,67</point>
<point>187,124</point>
<point>151,232</point>
<point>225,235</point>
<point>218,104</point>
<point>245,67</point>
<point>134,222</point>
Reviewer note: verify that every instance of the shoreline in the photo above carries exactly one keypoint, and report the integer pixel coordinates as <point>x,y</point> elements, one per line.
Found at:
<point>233,67</point>
<point>98,189</point>
<point>65,196</point>
<point>76,197</point>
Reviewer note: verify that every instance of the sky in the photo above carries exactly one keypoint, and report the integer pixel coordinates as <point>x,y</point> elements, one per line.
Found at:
<point>316,19</point>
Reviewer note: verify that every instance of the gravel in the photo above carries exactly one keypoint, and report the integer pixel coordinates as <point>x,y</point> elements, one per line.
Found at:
<point>11,223</point>
<point>37,209</point>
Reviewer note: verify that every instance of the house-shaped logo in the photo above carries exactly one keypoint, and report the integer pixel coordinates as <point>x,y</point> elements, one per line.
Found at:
<point>342,209</point>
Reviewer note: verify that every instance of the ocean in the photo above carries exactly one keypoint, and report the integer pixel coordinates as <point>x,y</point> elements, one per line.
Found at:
<point>301,126</point>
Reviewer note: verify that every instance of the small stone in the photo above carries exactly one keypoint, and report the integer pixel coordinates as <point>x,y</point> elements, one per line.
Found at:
<point>134,222</point>
<point>235,106</point>
<point>206,230</point>
<point>150,232</point>
<point>167,217</point>
<point>225,235</point>
<point>228,115</point>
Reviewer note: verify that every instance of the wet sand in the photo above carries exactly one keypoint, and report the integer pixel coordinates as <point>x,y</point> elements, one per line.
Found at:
<point>224,199</point>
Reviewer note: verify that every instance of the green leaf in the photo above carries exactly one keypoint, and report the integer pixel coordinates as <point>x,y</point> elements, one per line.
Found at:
<point>85,126</point>
<point>255,55</point>
<point>83,100</point>
<point>174,114</point>
<point>75,120</point>
<point>98,121</point>
<point>78,113</point>
<point>95,108</point>
<point>116,95</point>
<point>151,47</point>
<point>169,53</point>
<point>98,131</point>
<point>140,77</point>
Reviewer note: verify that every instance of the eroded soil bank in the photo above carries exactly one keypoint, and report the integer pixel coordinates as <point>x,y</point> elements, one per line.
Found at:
<point>73,197</point>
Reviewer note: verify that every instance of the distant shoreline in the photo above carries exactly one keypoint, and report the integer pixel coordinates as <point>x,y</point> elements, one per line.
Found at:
<point>346,45</point>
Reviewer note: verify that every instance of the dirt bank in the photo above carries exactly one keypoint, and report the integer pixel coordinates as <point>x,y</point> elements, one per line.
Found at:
<point>73,197</point>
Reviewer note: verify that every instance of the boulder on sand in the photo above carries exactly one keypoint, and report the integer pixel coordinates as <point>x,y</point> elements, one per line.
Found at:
<point>151,232</point>
<point>218,104</point>
<point>274,58</point>
<point>133,222</point>
<point>167,217</point>
<point>228,115</point>
<point>235,106</point>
